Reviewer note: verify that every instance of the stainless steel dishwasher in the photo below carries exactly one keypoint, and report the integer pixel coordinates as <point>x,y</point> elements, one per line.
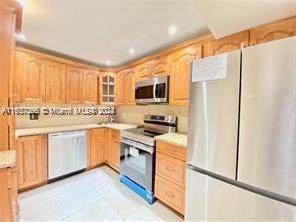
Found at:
<point>67,153</point>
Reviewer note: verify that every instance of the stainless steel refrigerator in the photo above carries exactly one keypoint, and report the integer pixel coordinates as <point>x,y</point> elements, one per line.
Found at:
<point>242,138</point>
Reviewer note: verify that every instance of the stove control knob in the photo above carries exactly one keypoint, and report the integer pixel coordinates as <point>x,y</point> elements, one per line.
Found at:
<point>170,119</point>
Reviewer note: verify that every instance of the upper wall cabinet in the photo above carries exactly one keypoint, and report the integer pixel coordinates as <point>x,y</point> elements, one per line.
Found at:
<point>74,85</point>
<point>129,85</point>
<point>55,82</point>
<point>227,44</point>
<point>90,88</point>
<point>151,68</point>
<point>107,88</point>
<point>120,89</point>
<point>33,79</point>
<point>15,86</point>
<point>180,73</point>
<point>273,31</point>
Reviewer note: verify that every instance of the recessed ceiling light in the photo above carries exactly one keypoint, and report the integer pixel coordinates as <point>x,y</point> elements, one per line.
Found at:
<point>20,36</point>
<point>108,62</point>
<point>131,51</point>
<point>22,2</point>
<point>172,30</point>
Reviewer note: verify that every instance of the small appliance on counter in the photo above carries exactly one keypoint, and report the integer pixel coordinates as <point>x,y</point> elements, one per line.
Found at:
<point>137,154</point>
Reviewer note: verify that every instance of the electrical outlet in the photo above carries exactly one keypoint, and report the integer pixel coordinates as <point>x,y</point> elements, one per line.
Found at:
<point>34,116</point>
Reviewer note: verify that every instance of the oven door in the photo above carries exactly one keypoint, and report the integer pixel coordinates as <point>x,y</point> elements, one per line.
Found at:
<point>154,90</point>
<point>137,163</point>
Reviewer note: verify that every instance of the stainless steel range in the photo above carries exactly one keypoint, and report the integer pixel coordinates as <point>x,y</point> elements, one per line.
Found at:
<point>137,154</point>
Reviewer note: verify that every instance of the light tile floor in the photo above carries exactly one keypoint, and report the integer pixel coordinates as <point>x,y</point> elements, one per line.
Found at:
<point>95,195</point>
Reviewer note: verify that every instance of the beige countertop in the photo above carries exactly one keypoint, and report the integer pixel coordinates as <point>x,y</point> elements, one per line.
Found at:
<point>174,138</point>
<point>56,129</point>
<point>7,158</point>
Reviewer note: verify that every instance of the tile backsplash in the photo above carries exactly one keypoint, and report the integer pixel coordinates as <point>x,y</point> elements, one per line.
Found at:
<point>128,114</point>
<point>135,114</point>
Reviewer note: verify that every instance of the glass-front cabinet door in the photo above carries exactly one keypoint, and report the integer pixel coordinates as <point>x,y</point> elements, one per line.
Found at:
<point>107,88</point>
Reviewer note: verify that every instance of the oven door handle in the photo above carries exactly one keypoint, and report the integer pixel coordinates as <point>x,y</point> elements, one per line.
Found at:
<point>138,146</point>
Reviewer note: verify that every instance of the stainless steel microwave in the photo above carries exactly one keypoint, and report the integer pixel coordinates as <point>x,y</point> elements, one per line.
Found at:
<point>154,90</point>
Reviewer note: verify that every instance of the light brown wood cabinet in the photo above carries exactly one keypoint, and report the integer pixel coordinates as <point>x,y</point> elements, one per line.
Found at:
<point>154,67</point>
<point>55,82</point>
<point>180,73</point>
<point>273,31</point>
<point>129,85</point>
<point>227,44</point>
<point>33,79</point>
<point>120,89</point>
<point>96,147</point>
<point>9,208</point>
<point>74,85</point>
<point>15,80</point>
<point>107,88</point>
<point>115,149</point>
<point>31,161</point>
<point>170,175</point>
<point>90,87</point>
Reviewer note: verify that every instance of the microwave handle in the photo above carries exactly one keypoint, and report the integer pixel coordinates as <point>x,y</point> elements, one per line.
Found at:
<point>154,88</point>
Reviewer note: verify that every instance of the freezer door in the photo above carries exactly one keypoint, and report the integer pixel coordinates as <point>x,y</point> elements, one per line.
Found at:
<point>211,200</point>
<point>267,146</point>
<point>213,121</point>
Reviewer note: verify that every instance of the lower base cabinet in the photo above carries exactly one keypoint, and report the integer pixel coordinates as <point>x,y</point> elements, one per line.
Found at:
<point>96,146</point>
<point>9,208</point>
<point>170,175</point>
<point>114,148</point>
<point>31,161</point>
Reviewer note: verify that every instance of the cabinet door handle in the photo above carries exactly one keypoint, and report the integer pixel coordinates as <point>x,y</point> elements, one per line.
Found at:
<point>169,194</point>
<point>170,169</point>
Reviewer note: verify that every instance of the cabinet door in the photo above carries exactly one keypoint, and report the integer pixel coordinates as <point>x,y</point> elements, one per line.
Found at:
<point>31,161</point>
<point>108,138</point>
<point>90,87</point>
<point>180,74</point>
<point>129,87</point>
<point>115,149</point>
<point>96,147</point>
<point>143,71</point>
<point>159,66</point>
<point>273,31</point>
<point>119,90</point>
<point>33,79</point>
<point>74,85</point>
<point>227,44</point>
<point>55,82</point>
<point>16,77</point>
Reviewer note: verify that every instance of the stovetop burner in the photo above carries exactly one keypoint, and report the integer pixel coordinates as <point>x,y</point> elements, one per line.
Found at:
<point>153,126</point>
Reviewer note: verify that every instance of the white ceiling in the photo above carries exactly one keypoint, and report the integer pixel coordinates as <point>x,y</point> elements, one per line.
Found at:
<point>102,30</point>
<point>225,17</point>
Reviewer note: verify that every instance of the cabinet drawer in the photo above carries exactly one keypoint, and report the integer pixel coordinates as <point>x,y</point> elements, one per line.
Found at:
<point>171,168</point>
<point>116,135</point>
<point>171,150</point>
<point>170,194</point>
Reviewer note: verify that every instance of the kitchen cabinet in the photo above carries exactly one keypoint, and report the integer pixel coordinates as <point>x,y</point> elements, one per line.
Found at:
<point>31,161</point>
<point>129,83</point>
<point>96,147</point>
<point>90,87</point>
<point>115,150</point>
<point>107,88</point>
<point>180,73</point>
<point>119,89</point>
<point>170,175</point>
<point>74,85</point>
<point>273,31</point>
<point>55,82</point>
<point>154,67</point>
<point>226,44</point>
<point>33,79</point>
<point>15,80</point>
<point>9,208</point>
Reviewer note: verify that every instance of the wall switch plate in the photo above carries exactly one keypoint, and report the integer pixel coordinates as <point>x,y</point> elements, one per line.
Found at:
<point>34,116</point>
